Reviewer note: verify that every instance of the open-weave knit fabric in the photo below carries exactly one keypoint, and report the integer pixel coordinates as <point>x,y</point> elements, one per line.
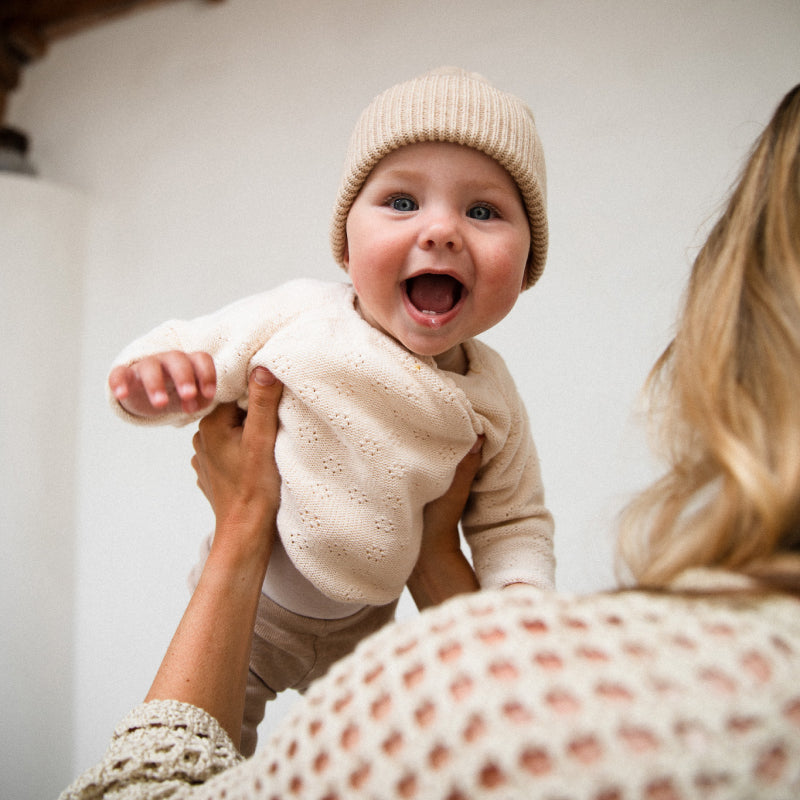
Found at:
<point>513,694</point>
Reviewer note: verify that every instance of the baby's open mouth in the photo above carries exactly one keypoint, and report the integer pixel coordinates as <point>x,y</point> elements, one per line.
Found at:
<point>433,293</point>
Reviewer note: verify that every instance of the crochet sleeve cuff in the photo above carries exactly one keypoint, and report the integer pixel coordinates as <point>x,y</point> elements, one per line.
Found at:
<point>158,748</point>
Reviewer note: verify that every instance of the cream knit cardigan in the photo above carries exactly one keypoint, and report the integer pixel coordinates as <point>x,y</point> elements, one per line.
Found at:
<point>369,434</point>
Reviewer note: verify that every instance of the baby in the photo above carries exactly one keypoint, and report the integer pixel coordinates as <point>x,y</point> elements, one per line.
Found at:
<point>440,223</point>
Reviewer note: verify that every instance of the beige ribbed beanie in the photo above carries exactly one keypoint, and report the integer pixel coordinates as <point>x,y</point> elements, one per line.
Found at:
<point>449,105</point>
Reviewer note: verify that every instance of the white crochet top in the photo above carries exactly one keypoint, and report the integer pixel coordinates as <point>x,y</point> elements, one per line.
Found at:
<point>512,694</point>
<point>369,434</point>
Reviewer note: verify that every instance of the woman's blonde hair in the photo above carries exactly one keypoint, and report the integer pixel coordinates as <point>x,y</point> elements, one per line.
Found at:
<point>726,391</point>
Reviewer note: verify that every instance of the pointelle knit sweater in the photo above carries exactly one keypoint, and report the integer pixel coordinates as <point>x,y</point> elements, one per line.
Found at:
<point>369,434</point>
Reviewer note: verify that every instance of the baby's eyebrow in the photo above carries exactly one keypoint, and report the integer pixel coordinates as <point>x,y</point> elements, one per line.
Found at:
<point>410,175</point>
<point>402,173</point>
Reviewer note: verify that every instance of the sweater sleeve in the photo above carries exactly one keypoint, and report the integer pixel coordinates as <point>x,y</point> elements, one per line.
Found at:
<point>507,525</point>
<point>232,335</point>
<point>158,750</point>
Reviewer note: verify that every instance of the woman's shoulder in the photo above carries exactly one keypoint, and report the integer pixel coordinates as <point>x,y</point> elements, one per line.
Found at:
<point>563,694</point>
<point>700,609</point>
<point>527,694</point>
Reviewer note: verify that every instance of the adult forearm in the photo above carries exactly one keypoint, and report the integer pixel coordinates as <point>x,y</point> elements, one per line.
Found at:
<point>439,576</point>
<point>207,660</point>
<point>206,663</point>
<point>442,569</point>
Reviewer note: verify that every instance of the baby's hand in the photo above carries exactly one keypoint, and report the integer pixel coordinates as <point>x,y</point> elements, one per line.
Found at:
<point>165,383</point>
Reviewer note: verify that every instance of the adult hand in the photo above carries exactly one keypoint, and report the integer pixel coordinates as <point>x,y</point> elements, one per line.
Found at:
<point>235,463</point>
<point>442,569</point>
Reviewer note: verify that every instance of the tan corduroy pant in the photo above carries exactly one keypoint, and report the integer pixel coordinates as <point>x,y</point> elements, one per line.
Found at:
<point>290,652</point>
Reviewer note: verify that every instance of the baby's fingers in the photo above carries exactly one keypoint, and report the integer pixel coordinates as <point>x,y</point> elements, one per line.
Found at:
<point>205,373</point>
<point>119,380</point>
<point>130,390</point>
<point>192,377</point>
<point>156,379</point>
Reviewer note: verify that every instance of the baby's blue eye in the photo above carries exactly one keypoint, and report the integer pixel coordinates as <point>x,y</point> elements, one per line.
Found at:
<point>480,212</point>
<point>403,204</point>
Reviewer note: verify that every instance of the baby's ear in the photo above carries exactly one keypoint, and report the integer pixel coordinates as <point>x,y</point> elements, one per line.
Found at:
<point>346,255</point>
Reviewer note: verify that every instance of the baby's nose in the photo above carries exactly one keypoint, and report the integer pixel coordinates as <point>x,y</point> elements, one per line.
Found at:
<point>442,230</point>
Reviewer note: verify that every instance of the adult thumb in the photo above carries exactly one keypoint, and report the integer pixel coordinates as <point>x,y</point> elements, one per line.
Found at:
<point>264,394</point>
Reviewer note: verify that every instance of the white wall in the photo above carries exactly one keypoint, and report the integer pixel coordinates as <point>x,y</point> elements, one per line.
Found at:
<point>42,239</point>
<point>210,138</point>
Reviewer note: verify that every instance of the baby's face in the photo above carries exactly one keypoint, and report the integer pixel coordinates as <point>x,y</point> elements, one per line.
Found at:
<point>437,245</point>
